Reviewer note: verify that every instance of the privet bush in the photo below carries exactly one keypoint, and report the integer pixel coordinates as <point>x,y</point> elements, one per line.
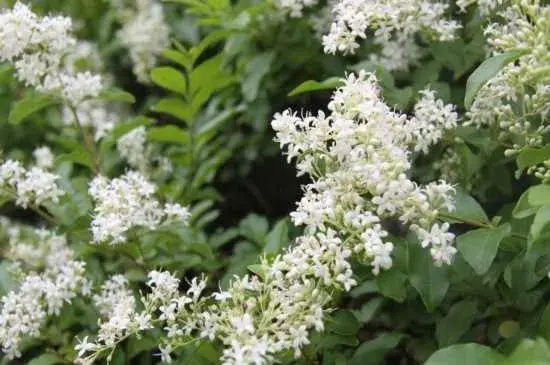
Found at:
<point>418,131</point>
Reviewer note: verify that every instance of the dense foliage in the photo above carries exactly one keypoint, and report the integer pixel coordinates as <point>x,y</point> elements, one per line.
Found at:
<point>275,181</point>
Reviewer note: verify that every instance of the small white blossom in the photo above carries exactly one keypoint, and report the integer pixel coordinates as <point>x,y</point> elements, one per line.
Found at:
<point>125,203</point>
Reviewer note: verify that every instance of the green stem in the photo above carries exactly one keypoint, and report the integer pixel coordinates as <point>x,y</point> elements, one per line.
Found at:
<point>88,142</point>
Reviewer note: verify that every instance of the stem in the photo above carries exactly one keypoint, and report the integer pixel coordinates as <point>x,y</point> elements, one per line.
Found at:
<point>88,142</point>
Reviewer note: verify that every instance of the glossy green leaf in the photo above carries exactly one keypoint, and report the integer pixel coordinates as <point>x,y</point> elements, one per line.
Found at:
<point>531,156</point>
<point>531,200</point>
<point>467,354</point>
<point>175,107</point>
<point>429,280</point>
<point>343,323</point>
<point>467,209</point>
<point>450,328</point>
<point>170,79</point>
<point>539,227</point>
<point>168,133</point>
<point>277,238</point>
<point>117,95</point>
<point>29,105</point>
<point>479,247</point>
<point>485,72</point>
<point>530,352</point>
<point>311,85</point>
<point>372,352</point>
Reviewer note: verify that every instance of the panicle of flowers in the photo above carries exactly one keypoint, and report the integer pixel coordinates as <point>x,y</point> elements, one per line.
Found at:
<point>144,32</point>
<point>363,150</point>
<point>28,187</point>
<point>36,47</point>
<point>401,19</point>
<point>128,202</point>
<point>119,318</point>
<point>517,99</point>
<point>51,277</point>
<point>294,8</point>
<point>431,119</point>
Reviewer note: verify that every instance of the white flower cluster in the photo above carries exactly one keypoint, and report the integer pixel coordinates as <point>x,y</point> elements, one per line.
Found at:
<point>144,32</point>
<point>517,100</point>
<point>294,8</point>
<point>358,158</point>
<point>402,19</point>
<point>431,119</point>
<point>362,150</point>
<point>31,187</point>
<point>119,319</point>
<point>36,47</point>
<point>54,278</point>
<point>128,202</point>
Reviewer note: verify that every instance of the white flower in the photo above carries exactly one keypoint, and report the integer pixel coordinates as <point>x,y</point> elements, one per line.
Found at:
<point>29,187</point>
<point>131,147</point>
<point>404,18</point>
<point>51,282</point>
<point>125,203</point>
<point>145,33</point>
<point>36,46</point>
<point>44,157</point>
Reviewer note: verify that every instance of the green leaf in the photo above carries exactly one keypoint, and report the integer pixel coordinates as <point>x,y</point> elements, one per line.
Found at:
<point>78,156</point>
<point>479,247</point>
<point>450,329</point>
<point>368,310</point>
<point>311,85</point>
<point>485,72</point>
<point>343,323</point>
<point>467,354</point>
<point>202,249</point>
<point>530,352</point>
<point>29,105</point>
<point>115,94</point>
<point>181,58</point>
<point>254,228</point>
<point>255,71</point>
<point>429,280</point>
<point>540,223</point>
<point>392,284</point>
<point>531,200</point>
<point>175,107</point>
<point>544,325</point>
<point>170,79</point>
<point>168,133</point>
<point>467,209</point>
<point>257,269</point>
<point>46,359</point>
<point>531,156</point>
<point>373,352</point>
<point>277,238</point>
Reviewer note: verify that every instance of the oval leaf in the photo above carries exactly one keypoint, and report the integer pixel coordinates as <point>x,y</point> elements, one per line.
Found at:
<point>485,72</point>
<point>468,354</point>
<point>29,105</point>
<point>479,247</point>
<point>311,85</point>
<point>170,79</point>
